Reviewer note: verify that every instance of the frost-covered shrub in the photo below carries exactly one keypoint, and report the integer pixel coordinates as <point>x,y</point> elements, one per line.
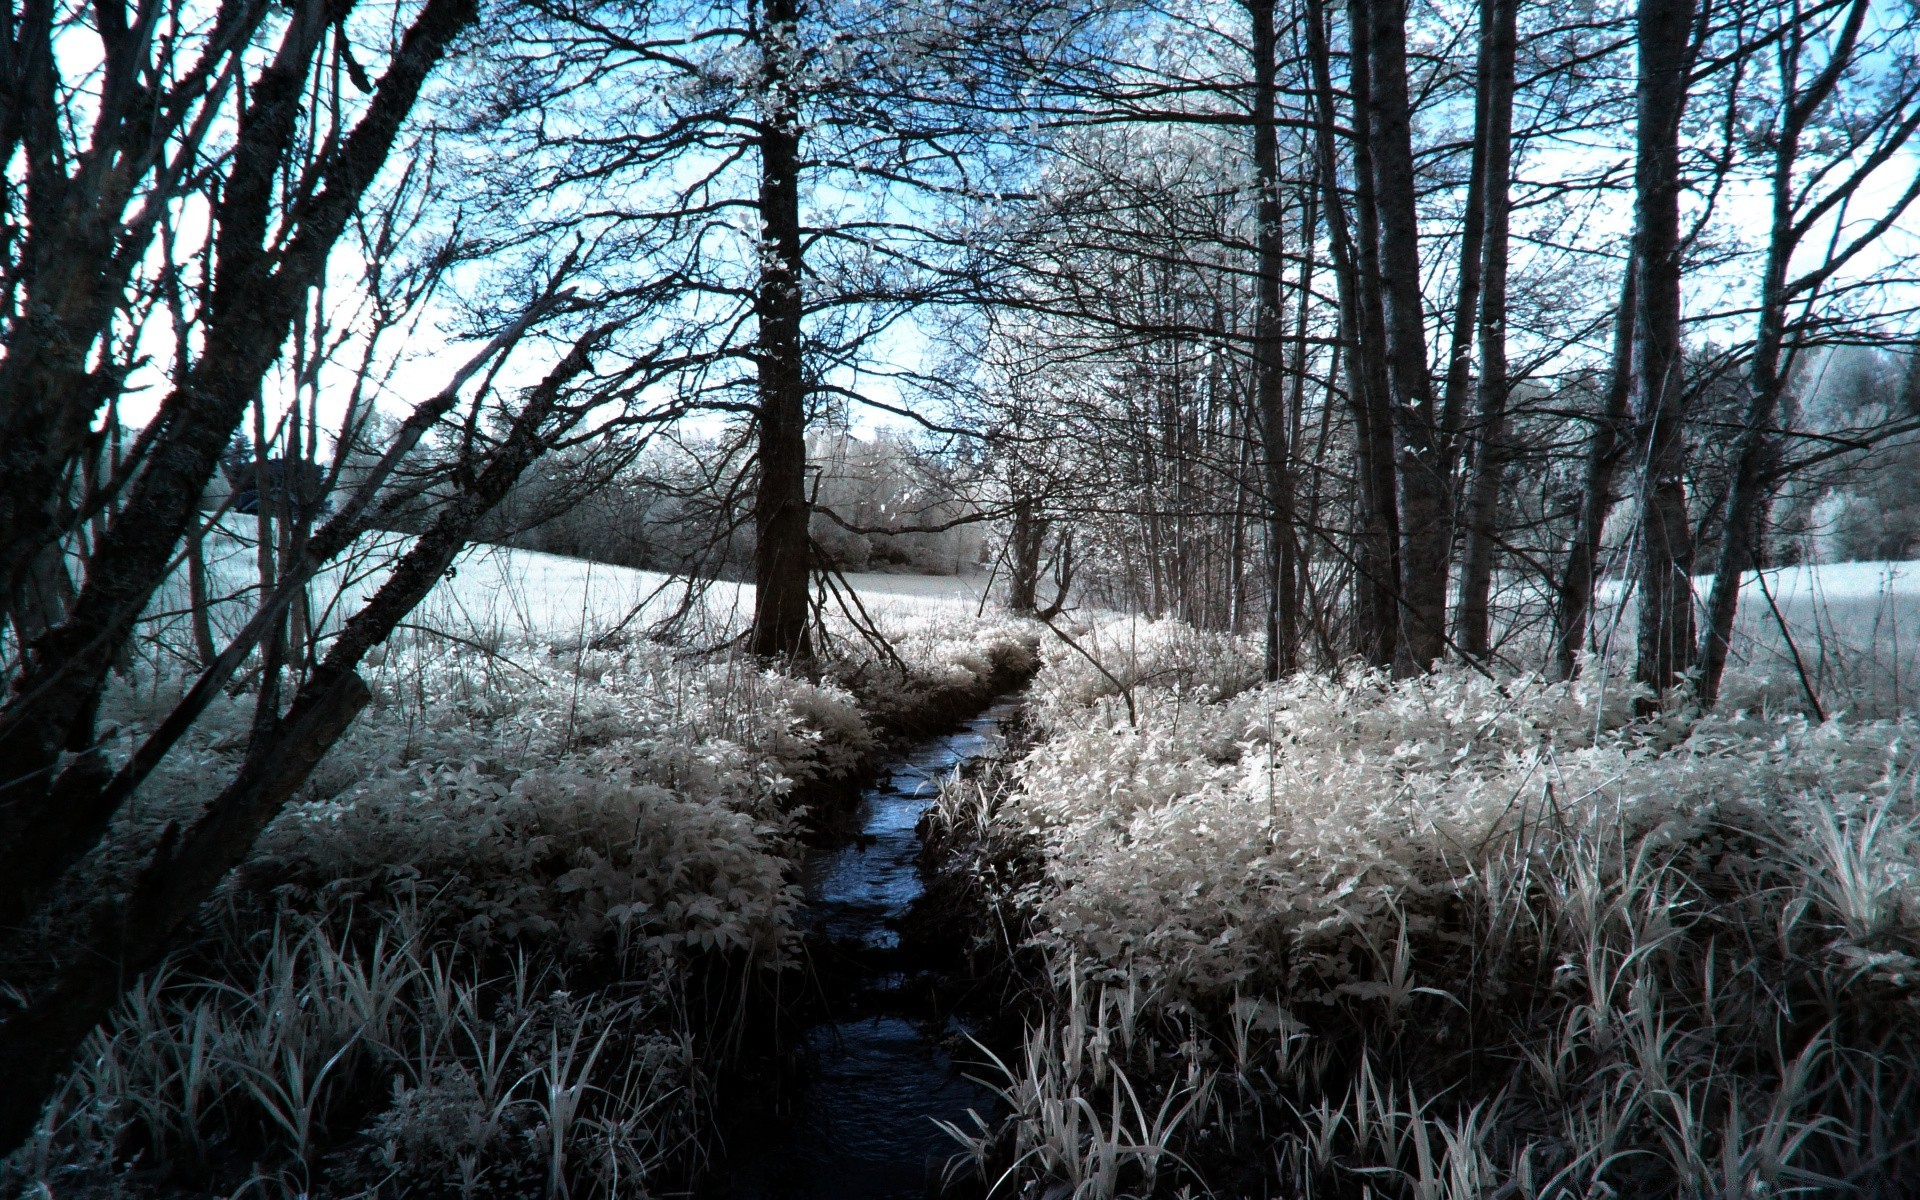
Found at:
<point>932,661</point>
<point>585,796</point>
<point>1453,935</point>
<point>1210,843</point>
<point>1104,658</point>
<point>380,1002</point>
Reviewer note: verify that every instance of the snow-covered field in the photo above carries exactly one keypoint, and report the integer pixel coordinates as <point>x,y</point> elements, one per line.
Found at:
<point>546,594</point>
<point>496,594</point>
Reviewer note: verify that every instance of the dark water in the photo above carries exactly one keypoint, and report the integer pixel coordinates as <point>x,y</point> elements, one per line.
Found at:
<point>857,1122</point>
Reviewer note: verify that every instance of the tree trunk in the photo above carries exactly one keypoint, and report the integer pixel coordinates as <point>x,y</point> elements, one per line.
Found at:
<point>1659,397</point>
<point>1375,556</point>
<point>1425,489</point>
<point>781,561</point>
<point>198,597</point>
<point>44,594</point>
<point>48,820</point>
<point>1269,337</point>
<point>255,292</point>
<point>1759,446</point>
<point>131,934</point>
<point>1573,597</point>
<point>1473,618</point>
<point>1458,372</point>
<point>1024,542</point>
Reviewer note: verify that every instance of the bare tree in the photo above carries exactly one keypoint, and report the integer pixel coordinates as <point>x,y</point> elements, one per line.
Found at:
<point>1805,196</point>
<point>1666,40</point>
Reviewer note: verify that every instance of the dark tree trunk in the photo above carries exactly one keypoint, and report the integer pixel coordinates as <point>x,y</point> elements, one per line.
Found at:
<point>1296,566</point>
<point>1458,370</point>
<point>44,594</point>
<point>1024,542</point>
<point>1269,337</point>
<point>44,823</point>
<point>1473,618</point>
<point>1425,489</point>
<point>1659,396</point>
<point>1375,554</point>
<point>1573,596</point>
<point>198,597</point>
<point>781,565</point>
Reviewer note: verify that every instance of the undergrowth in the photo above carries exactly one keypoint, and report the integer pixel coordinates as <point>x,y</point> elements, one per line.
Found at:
<point>503,942</point>
<point>1447,937</point>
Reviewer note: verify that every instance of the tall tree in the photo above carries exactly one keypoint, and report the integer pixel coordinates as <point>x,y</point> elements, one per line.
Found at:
<point>1353,232</point>
<point>268,248</point>
<point>1606,450</point>
<point>1665,45</point>
<point>1494,162</point>
<point>1807,192</point>
<point>1424,483</point>
<point>1269,339</point>
<point>782,557</point>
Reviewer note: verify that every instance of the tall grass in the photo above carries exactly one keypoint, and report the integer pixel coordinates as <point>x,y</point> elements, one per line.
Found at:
<point>1451,938</point>
<point>500,944</point>
<point>457,1081</point>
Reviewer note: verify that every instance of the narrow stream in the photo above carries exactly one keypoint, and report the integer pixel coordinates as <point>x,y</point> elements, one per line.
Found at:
<point>857,1124</point>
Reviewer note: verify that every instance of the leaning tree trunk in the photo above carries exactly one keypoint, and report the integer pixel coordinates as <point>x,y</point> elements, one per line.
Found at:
<point>1473,618</point>
<point>1666,645</point>
<point>133,932</point>
<point>255,293</point>
<point>1573,595</point>
<point>781,563</point>
<point>1753,478</point>
<point>1425,489</point>
<point>1270,382</point>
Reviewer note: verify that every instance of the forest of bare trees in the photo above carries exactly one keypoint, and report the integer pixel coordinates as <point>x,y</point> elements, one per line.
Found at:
<point>1506,336</point>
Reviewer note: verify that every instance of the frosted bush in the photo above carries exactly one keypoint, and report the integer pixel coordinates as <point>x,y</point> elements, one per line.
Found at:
<point>1567,953</point>
<point>506,813</point>
<point>1211,840</point>
<point>1105,657</point>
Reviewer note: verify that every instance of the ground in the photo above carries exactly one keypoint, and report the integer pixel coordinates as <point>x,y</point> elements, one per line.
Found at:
<point>1338,934</point>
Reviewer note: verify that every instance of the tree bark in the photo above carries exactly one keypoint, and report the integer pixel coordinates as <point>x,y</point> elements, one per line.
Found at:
<point>1458,372</point>
<point>254,297</point>
<point>199,598</point>
<point>1024,542</point>
<point>1659,396</point>
<point>133,933</point>
<point>79,244</point>
<point>1425,489</point>
<point>1354,236</point>
<point>1573,596</point>
<point>1473,617</point>
<point>781,565</point>
<point>1753,477</point>
<point>1269,337</point>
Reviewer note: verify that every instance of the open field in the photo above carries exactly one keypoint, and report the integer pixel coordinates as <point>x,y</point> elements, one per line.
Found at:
<point>1849,633</point>
<point>497,592</point>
